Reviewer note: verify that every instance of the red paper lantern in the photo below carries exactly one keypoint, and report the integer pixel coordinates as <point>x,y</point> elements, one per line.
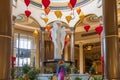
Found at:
<point>99,29</point>
<point>45,3</point>
<point>87,27</point>
<point>27,2</point>
<point>27,13</point>
<point>73,2</point>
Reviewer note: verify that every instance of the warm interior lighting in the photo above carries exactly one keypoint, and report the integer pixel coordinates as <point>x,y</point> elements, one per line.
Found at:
<point>89,48</point>
<point>68,38</point>
<point>35,33</point>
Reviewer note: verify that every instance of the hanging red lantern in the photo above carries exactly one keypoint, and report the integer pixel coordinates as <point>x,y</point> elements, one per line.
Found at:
<point>73,2</point>
<point>27,2</point>
<point>87,27</point>
<point>45,3</point>
<point>27,13</point>
<point>99,29</point>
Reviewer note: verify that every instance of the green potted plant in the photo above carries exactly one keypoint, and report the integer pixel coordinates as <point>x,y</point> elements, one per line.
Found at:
<point>32,74</point>
<point>25,70</point>
<point>78,78</point>
<point>13,73</point>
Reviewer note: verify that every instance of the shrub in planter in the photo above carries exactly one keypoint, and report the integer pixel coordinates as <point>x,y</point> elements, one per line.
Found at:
<point>25,69</point>
<point>77,78</point>
<point>32,74</point>
<point>13,73</point>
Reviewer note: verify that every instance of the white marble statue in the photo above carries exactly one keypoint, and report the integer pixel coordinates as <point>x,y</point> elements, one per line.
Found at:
<point>58,37</point>
<point>54,36</point>
<point>63,34</point>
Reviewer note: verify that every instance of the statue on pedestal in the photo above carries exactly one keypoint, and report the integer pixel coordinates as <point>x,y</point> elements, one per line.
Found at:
<point>58,37</point>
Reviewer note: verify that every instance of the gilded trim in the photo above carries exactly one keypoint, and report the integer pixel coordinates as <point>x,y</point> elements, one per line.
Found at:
<point>108,36</point>
<point>5,36</point>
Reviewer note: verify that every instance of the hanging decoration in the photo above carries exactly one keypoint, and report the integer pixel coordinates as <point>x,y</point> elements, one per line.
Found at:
<point>68,38</point>
<point>27,2</point>
<point>58,13</point>
<point>99,29</point>
<point>82,16</point>
<point>73,2</point>
<point>70,6</point>
<point>68,18</point>
<point>45,19</point>
<point>48,27</point>
<point>35,33</point>
<point>27,13</point>
<point>78,10</point>
<point>47,10</point>
<point>46,3</point>
<point>87,27</point>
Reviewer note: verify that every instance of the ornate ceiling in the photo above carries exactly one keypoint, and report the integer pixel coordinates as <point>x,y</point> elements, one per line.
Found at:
<point>60,4</point>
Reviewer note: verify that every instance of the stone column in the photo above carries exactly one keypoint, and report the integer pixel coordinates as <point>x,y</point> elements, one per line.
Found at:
<point>42,45</point>
<point>38,52</point>
<point>5,39</point>
<point>81,58</point>
<point>72,43</point>
<point>111,52</point>
<point>66,53</point>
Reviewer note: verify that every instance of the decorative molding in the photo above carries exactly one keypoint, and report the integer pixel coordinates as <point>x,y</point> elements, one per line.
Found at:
<point>61,7</point>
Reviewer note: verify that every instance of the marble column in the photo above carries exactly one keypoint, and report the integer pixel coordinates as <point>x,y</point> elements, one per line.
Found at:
<point>5,38</point>
<point>38,51</point>
<point>42,45</point>
<point>72,44</point>
<point>111,48</point>
<point>81,58</point>
<point>66,53</point>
